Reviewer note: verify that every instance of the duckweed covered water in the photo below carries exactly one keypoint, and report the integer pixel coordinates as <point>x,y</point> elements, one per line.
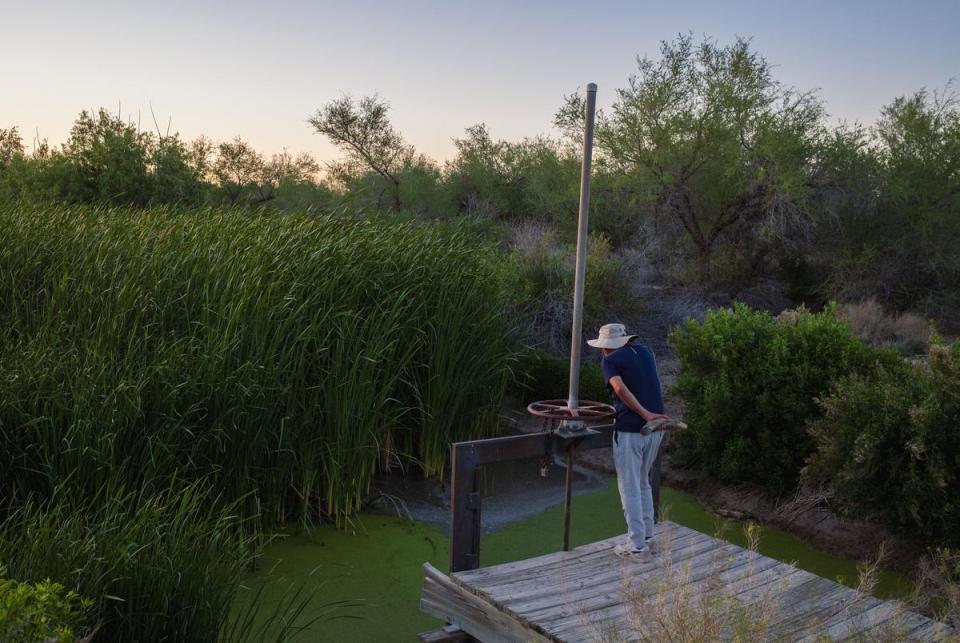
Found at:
<point>377,561</point>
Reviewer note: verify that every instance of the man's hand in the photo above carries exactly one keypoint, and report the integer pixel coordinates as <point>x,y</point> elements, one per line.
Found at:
<point>616,383</point>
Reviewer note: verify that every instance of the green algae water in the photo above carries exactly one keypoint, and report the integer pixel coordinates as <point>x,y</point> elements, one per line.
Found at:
<point>377,561</point>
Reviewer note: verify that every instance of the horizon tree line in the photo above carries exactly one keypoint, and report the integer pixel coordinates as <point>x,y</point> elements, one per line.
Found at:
<point>703,150</point>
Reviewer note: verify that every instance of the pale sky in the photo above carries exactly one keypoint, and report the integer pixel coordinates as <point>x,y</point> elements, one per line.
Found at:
<point>259,69</point>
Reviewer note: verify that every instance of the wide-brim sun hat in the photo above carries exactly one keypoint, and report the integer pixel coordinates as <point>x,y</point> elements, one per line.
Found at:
<point>611,336</point>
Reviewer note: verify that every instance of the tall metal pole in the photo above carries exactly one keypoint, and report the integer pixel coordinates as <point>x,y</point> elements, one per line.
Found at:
<point>577,338</point>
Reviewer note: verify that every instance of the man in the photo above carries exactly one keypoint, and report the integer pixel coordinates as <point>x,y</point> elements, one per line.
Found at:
<point>630,370</point>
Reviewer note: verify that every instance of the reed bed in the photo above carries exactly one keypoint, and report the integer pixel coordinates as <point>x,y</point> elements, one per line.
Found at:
<point>162,566</point>
<point>276,359</point>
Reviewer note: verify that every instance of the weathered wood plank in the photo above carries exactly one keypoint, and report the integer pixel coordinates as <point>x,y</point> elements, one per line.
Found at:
<point>599,570</point>
<point>506,570</point>
<point>759,588</point>
<point>689,587</point>
<point>809,603</point>
<point>642,581</point>
<point>902,627</point>
<point>707,559</point>
<point>588,594</point>
<point>482,620</point>
<point>931,631</point>
<point>861,616</point>
<point>618,617</point>
<point>577,578</point>
<point>542,564</point>
<point>613,580</point>
<point>631,597</point>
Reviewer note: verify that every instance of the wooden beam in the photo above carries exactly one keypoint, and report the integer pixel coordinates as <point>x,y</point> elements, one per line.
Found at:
<point>655,482</point>
<point>445,599</point>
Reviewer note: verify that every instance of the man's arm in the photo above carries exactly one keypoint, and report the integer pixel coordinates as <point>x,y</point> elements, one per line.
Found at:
<point>616,383</point>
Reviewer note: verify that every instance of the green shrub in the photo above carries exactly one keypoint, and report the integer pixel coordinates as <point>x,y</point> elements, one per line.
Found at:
<point>889,445</point>
<point>749,382</point>
<point>41,612</point>
<point>544,376</point>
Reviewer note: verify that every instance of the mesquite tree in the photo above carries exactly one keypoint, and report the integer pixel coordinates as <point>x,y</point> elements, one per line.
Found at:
<point>898,241</point>
<point>713,141</point>
<point>363,132</point>
<point>11,146</point>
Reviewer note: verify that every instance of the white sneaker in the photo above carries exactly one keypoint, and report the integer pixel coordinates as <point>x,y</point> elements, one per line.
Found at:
<point>631,552</point>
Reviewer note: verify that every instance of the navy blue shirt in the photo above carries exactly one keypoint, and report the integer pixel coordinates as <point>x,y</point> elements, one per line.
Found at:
<point>637,368</point>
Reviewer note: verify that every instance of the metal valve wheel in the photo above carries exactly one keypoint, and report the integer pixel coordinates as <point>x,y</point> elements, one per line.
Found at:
<point>586,410</point>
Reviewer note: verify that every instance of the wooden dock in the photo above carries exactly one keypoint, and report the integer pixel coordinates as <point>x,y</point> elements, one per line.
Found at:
<point>590,594</point>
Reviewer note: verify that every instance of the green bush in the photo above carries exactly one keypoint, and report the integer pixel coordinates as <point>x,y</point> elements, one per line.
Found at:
<point>543,376</point>
<point>889,445</point>
<point>750,381</point>
<point>41,612</point>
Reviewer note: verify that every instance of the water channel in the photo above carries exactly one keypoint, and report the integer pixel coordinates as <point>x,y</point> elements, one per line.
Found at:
<point>376,562</point>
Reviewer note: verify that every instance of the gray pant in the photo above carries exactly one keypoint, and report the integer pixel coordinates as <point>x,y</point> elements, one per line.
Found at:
<point>633,455</point>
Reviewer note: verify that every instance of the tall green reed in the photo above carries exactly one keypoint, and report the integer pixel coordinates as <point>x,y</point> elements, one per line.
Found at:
<point>147,358</point>
<point>161,566</point>
<point>283,357</point>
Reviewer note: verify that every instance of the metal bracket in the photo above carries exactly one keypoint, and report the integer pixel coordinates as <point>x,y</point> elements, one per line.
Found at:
<point>569,432</point>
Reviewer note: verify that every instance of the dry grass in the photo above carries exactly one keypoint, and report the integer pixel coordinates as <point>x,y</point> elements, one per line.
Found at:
<point>683,607</point>
<point>938,586</point>
<point>907,332</point>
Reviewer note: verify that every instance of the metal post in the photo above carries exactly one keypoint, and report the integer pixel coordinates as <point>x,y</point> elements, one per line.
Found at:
<point>464,508</point>
<point>567,492</point>
<point>575,341</point>
<point>655,472</point>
